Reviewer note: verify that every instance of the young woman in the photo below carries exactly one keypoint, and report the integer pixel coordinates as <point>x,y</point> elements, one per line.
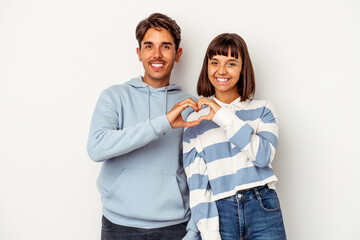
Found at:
<point>227,157</point>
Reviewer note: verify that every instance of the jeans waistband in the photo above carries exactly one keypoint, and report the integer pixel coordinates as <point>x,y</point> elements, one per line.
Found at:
<point>249,193</point>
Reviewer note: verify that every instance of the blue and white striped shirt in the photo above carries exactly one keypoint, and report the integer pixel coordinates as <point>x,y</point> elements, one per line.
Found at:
<point>230,153</point>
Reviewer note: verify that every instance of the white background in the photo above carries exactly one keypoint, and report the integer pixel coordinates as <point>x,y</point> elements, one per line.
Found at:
<point>57,56</point>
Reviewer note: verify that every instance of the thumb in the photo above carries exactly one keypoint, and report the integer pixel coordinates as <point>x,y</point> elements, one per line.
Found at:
<point>191,124</point>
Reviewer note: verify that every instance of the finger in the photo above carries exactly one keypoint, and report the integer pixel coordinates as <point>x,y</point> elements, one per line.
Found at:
<point>178,109</point>
<point>184,105</point>
<point>191,124</point>
<point>201,103</point>
<point>194,104</point>
<point>175,113</point>
<point>204,101</point>
<point>210,103</point>
<point>188,100</point>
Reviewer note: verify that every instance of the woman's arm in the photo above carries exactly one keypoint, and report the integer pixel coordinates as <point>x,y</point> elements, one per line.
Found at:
<point>259,145</point>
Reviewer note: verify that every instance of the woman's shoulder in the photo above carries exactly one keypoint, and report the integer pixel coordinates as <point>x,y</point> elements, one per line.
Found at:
<point>258,103</point>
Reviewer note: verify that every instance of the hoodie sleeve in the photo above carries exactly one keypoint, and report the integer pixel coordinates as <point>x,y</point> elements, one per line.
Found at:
<point>106,139</point>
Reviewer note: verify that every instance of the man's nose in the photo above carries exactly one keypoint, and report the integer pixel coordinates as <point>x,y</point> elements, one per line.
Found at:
<point>157,53</point>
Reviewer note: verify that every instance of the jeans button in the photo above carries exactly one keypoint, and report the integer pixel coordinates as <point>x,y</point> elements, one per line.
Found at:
<point>239,195</point>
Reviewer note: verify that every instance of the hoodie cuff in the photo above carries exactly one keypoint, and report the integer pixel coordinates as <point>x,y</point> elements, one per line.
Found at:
<point>160,125</point>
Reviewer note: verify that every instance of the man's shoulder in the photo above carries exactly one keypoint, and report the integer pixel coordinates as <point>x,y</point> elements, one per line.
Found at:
<point>118,87</point>
<point>118,90</point>
<point>125,85</point>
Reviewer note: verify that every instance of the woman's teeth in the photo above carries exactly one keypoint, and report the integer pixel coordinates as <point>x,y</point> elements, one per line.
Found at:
<point>222,79</point>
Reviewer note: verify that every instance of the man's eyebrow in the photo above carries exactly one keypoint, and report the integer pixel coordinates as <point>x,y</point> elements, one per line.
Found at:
<point>163,43</point>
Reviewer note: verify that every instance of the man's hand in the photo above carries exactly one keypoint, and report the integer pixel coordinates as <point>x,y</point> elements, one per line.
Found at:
<point>174,115</point>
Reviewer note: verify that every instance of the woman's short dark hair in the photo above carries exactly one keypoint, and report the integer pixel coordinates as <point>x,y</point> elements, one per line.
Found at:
<point>157,21</point>
<point>221,45</point>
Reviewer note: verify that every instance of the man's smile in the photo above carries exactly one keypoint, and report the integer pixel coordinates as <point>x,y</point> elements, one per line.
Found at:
<point>157,65</point>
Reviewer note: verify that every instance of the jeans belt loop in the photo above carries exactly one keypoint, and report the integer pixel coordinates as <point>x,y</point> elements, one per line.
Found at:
<point>257,193</point>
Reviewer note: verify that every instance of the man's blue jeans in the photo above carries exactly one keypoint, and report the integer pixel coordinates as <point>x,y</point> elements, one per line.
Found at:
<point>111,231</point>
<point>252,214</point>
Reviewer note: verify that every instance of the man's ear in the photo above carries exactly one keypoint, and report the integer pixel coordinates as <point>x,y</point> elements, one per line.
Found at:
<point>138,52</point>
<point>178,54</point>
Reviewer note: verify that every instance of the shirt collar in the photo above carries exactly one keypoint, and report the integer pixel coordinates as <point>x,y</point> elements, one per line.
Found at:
<point>236,102</point>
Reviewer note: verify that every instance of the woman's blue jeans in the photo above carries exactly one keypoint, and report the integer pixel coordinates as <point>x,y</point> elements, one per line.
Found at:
<point>252,214</point>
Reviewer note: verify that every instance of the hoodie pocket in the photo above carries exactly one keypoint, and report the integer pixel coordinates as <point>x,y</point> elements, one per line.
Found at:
<point>146,195</point>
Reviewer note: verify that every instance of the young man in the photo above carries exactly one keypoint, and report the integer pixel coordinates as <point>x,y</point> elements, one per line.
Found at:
<point>138,140</point>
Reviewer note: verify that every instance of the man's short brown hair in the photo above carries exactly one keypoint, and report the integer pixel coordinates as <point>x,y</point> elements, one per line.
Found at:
<point>157,21</point>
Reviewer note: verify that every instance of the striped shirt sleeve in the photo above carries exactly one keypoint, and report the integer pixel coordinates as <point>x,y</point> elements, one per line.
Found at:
<point>259,144</point>
<point>202,203</point>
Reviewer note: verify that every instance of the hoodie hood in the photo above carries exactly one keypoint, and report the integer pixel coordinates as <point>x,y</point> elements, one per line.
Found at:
<point>146,88</point>
<point>141,86</point>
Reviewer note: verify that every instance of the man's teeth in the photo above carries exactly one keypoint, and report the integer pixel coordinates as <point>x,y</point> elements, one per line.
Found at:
<point>222,79</point>
<point>157,64</point>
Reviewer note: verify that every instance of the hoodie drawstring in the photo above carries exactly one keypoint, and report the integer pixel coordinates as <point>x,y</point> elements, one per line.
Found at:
<point>148,88</point>
<point>166,100</point>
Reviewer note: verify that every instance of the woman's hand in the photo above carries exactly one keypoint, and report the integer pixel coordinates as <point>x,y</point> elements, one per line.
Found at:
<point>214,107</point>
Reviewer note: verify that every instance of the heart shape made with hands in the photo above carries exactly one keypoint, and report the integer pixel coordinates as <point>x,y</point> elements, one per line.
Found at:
<point>174,115</point>
<point>214,107</point>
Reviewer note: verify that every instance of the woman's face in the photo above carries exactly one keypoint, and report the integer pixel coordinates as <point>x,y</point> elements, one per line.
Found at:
<point>224,73</point>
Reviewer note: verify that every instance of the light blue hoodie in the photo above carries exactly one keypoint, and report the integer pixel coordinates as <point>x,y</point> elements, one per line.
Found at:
<point>142,182</point>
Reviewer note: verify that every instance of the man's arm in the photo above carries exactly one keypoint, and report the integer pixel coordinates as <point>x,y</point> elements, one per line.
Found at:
<point>106,139</point>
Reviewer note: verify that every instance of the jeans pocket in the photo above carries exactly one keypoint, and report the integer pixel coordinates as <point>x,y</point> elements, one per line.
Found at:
<point>269,202</point>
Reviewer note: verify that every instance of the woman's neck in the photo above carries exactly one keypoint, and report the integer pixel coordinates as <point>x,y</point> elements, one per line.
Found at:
<point>227,97</point>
